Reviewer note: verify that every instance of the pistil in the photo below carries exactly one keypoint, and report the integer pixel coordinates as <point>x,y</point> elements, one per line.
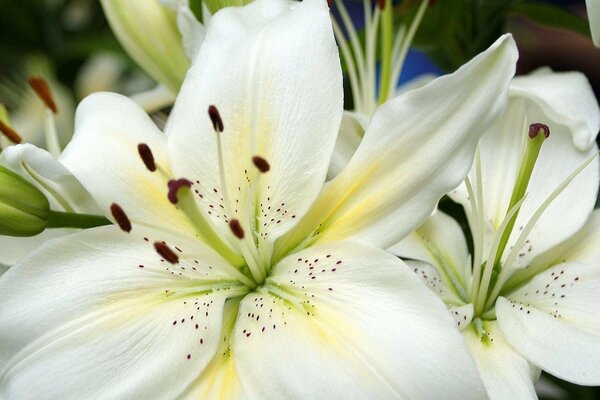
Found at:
<point>538,133</point>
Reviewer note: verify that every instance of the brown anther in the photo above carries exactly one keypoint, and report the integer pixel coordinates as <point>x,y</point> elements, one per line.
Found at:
<point>10,133</point>
<point>41,88</point>
<point>174,186</point>
<point>381,4</point>
<point>236,228</point>
<point>215,117</point>
<point>261,164</point>
<point>166,252</point>
<point>147,156</point>
<point>121,218</point>
<point>537,128</point>
<point>330,3</point>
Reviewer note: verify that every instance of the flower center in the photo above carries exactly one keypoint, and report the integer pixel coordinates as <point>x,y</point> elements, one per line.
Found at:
<point>230,226</point>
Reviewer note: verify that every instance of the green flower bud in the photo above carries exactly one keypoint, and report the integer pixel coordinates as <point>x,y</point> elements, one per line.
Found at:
<point>148,32</point>
<point>24,210</point>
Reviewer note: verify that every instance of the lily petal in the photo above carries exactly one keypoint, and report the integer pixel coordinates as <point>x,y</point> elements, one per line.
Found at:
<point>15,248</point>
<point>272,70</point>
<point>430,276</point>
<point>554,321</point>
<point>418,147</point>
<point>566,98</point>
<point>103,156</point>
<point>361,320</point>
<point>101,306</point>
<point>581,247</point>
<point>593,11</point>
<point>353,128</point>
<point>505,373</point>
<point>441,242</point>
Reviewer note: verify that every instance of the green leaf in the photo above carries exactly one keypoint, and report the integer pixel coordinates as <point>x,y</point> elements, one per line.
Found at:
<point>551,15</point>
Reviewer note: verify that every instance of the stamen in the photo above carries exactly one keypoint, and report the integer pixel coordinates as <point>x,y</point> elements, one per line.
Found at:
<point>41,88</point>
<point>10,133</point>
<point>147,156</point>
<point>236,228</point>
<point>215,117</point>
<point>537,128</point>
<point>121,218</point>
<point>174,186</point>
<point>166,252</point>
<point>217,122</point>
<point>261,164</point>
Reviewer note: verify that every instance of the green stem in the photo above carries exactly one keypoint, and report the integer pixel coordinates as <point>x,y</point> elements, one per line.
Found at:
<point>534,145</point>
<point>59,219</point>
<point>387,43</point>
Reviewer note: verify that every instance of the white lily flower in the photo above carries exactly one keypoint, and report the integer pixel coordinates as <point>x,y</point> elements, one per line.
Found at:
<point>593,12</point>
<point>529,302</point>
<point>266,284</point>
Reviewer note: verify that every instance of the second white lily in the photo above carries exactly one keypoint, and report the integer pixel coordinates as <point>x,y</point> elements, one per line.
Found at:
<point>526,299</point>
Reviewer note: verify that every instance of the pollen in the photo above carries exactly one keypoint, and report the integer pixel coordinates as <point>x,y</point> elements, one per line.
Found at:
<point>147,156</point>
<point>41,88</point>
<point>10,133</point>
<point>261,164</point>
<point>236,228</point>
<point>166,252</point>
<point>215,117</point>
<point>121,218</point>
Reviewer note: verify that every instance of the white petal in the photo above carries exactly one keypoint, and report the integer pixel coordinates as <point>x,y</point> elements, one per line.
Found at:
<point>463,315</point>
<point>98,315</point>
<point>501,150</point>
<point>272,70</point>
<point>349,321</point>
<point>192,31</point>
<point>566,98</point>
<point>15,248</point>
<point>582,247</point>
<point>441,242</point>
<point>554,321</point>
<point>505,373</point>
<point>418,146</point>
<point>415,83</point>
<point>430,276</point>
<point>593,11</point>
<point>352,130</point>
<point>62,189</point>
<point>103,155</point>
